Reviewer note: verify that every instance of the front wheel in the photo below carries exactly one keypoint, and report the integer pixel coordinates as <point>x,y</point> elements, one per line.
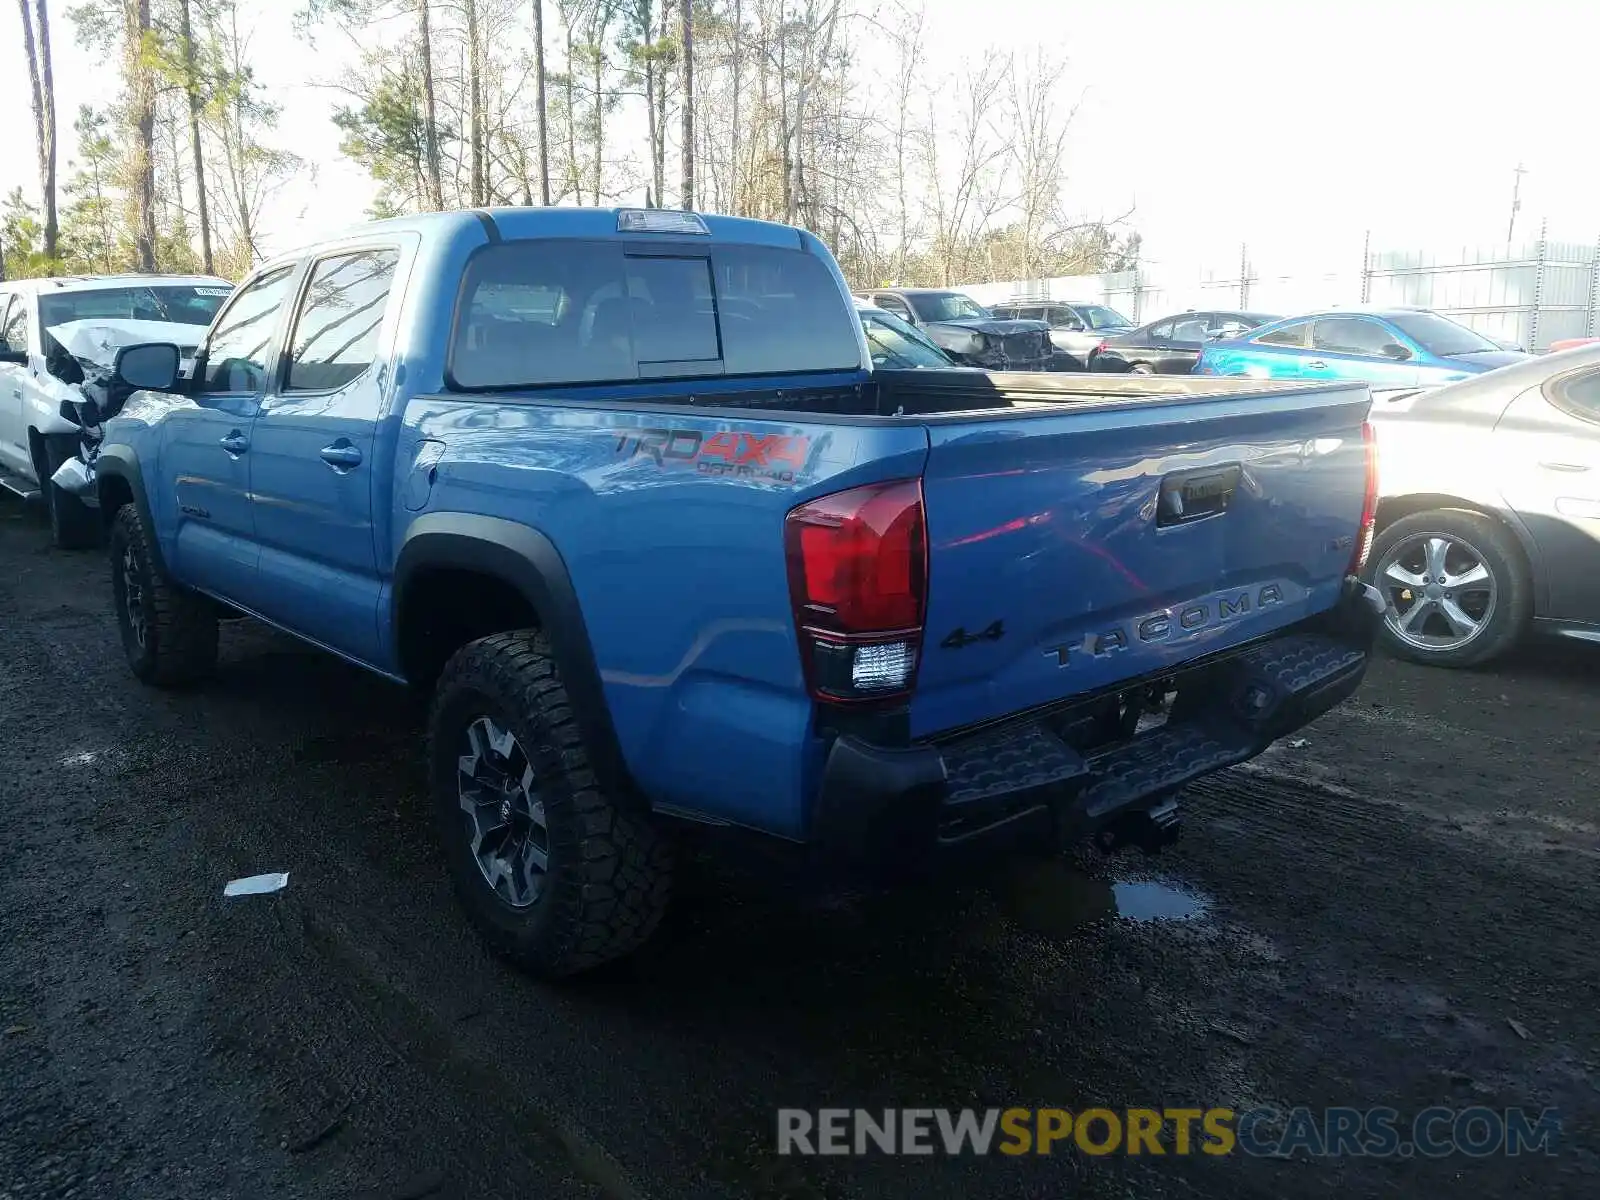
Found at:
<point>1457,585</point>
<point>169,633</point>
<point>73,524</point>
<point>1141,369</point>
<point>556,875</point>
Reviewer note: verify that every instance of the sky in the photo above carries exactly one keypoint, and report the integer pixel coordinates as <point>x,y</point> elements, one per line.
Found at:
<point>1294,128</point>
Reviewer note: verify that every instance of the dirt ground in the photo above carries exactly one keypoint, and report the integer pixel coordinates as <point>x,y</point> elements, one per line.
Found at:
<point>1387,909</point>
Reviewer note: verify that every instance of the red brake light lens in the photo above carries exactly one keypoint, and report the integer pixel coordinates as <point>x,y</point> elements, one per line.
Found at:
<point>1369,501</point>
<point>858,575</point>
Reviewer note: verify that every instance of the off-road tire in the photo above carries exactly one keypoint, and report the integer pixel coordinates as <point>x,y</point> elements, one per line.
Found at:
<point>73,524</point>
<point>610,867</point>
<point>1500,552</point>
<point>180,645</point>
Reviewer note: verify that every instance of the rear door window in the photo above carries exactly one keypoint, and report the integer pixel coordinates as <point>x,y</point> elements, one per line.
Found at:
<point>1224,325</point>
<point>1289,335</point>
<point>1577,395</point>
<point>15,331</point>
<point>336,331</point>
<point>895,305</point>
<point>1351,335</point>
<point>548,312</point>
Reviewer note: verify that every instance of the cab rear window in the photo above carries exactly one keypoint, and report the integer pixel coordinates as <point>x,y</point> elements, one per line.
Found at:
<point>537,313</point>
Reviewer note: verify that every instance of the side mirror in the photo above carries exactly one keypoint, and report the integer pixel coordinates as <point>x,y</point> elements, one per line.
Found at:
<point>1396,351</point>
<point>1071,324</point>
<point>152,367</point>
<point>15,357</point>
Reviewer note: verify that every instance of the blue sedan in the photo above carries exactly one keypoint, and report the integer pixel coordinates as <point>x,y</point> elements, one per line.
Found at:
<point>1403,347</point>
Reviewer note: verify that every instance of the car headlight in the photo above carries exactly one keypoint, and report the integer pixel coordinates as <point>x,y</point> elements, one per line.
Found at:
<point>960,341</point>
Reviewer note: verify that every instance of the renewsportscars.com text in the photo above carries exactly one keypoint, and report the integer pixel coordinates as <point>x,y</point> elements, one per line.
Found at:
<point>1266,1132</point>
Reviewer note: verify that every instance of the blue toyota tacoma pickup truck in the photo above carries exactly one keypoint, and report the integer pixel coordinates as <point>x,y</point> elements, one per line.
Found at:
<point>622,490</point>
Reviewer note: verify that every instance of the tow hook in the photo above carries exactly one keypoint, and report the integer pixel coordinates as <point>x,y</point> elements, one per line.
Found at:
<point>1150,830</point>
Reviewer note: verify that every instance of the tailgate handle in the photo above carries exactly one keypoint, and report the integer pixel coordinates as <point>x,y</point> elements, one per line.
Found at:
<point>1195,495</point>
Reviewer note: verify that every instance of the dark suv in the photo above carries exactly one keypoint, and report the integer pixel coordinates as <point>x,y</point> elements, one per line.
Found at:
<point>967,331</point>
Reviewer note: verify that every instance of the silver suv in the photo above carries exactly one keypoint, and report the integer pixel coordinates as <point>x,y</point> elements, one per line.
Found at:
<point>1075,329</point>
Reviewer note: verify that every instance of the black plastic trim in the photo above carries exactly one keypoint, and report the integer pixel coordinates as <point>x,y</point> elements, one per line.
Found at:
<point>120,462</point>
<point>882,806</point>
<point>530,562</point>
<point>490,229</point>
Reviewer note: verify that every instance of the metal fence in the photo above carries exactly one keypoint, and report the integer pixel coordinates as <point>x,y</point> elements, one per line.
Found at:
<point>1529,294</point>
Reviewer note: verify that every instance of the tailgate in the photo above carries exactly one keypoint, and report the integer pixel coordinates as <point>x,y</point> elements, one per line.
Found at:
<point>1073,547</point>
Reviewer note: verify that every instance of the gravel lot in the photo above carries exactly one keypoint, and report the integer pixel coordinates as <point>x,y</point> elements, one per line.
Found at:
<point>1381,904</point>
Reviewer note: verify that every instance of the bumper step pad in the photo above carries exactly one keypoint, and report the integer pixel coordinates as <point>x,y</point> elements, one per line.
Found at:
<point>1239,709</point>
<point>1011,760</point>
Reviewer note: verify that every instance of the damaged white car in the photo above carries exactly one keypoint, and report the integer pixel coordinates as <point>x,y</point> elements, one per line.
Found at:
<point>58,343</point>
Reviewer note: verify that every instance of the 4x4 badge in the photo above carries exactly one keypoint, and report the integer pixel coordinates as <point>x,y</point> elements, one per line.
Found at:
<point>960,637</point>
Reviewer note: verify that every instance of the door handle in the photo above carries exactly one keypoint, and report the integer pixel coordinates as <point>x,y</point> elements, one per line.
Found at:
<point>1316,364</point>
<point>345,456</point>
<point>235,443</point>
<point>1570,468</point>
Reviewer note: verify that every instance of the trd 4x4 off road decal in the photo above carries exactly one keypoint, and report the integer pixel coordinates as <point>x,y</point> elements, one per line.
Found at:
<point>777,456</point>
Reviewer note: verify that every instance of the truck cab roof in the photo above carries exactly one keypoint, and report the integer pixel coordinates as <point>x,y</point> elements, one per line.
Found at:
<point>90,283</point>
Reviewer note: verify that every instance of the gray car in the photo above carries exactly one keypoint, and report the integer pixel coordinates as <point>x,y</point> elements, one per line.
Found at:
<point>1488,522</point>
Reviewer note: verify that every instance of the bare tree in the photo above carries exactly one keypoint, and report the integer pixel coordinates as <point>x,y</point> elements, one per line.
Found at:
<point>571,11</point>
<point>908,44</point>
<point>687,198</point>
<point>647,67</point>
<point>737,37</point>
<point>601,15</point>
<point>191,87</point>
<point>1038,153</point>
<point>250,170</point>
<point>430,115</point>
<point>141,86</point>
<point>816,44</point>
<point>41,76</point>
<point>779,115</point>
<point>963,205</point>
<point>475,129</point>
<point>544,108</point>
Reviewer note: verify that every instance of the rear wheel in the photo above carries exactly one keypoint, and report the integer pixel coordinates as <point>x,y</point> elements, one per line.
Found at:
<point>1458,588</point>
<point>556,874</point>
<point>1141,369</point>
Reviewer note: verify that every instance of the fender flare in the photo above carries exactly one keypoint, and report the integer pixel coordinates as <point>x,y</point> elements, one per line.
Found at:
<point>528,561</point>
<point>120,462</point>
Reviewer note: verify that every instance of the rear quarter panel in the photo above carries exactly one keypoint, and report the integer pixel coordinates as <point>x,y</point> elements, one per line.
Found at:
<point>676,554</point>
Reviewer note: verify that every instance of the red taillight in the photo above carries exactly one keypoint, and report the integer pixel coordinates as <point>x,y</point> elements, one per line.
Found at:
<point>1100,349</point>
<point>1369,501</point>
<point>858,582</point>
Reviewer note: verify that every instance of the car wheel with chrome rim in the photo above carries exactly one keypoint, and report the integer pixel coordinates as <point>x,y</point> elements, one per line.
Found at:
<point>1456,584</point>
